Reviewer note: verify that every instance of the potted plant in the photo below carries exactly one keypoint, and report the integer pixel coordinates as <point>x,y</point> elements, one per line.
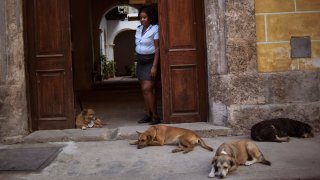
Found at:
<point>133,70</point>
<point>108,67</point>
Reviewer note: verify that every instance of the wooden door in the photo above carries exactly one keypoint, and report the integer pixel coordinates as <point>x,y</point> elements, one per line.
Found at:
<point>183,67</point>
<point>49,64</point>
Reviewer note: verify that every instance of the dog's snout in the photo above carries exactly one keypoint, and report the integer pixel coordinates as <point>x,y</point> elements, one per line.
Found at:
<point>221,176</point>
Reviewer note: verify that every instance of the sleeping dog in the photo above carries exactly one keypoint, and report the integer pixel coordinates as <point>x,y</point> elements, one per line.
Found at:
<point>280,130</point>
<point>160,135</point>
<point>230,155</point>
<point>87,119</point>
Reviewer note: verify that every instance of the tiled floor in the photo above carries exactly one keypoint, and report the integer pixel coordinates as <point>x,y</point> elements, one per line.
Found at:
<point>118,105</point>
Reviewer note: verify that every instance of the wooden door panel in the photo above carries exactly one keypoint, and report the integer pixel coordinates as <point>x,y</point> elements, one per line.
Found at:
<point>50,64</point>
<point>183,91</point>
<point>48,26</point>
<point>181,31</point>
<point>183,66</point>
<point>45,62</point>
<point>51,95</point>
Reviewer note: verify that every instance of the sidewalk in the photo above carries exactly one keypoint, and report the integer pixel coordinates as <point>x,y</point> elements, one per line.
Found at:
<point>108,160</point>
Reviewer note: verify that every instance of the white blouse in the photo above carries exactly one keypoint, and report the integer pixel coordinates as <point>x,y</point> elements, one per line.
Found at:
<point>145,42</point>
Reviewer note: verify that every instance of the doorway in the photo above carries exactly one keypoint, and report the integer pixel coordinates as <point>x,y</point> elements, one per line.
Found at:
<point>115,93</point>
<point>63,61</point>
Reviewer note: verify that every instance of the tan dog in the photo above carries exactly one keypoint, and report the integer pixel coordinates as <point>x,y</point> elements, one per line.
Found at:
<point>230,155</point>
<point>159,135</point>
<point>86,119</point>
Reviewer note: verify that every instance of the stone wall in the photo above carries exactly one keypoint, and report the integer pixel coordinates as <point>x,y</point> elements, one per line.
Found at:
<point>13,103</point>
<point>240,93</point>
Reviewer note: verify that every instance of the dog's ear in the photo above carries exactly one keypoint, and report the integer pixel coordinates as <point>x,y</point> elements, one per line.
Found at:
<point>233,164</point>
<point>84,111</point>
<point>214,160</point>
<point>149,137</point>
<point>138,133</point>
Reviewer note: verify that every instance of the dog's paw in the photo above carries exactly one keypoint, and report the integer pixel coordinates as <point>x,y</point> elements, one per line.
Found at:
<point>134,143</point>
<point>211,175</point>
<point>248,163</point>
<point>84,128</point>
<point>174,151</point>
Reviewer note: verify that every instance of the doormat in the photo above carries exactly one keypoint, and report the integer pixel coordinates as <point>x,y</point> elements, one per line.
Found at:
<point>27,159</point>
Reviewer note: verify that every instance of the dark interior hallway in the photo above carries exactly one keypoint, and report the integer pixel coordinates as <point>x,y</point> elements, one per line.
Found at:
<point>118,104</point>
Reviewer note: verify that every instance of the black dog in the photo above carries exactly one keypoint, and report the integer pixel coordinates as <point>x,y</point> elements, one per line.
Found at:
<point>279,130</point>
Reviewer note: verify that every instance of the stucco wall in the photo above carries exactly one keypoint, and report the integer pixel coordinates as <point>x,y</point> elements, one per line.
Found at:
<point>13,103</point>
<point>276,22</point>
<point>241,95</point>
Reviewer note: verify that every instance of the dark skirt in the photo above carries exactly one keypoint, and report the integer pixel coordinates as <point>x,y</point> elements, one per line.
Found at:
<point>144,65</point>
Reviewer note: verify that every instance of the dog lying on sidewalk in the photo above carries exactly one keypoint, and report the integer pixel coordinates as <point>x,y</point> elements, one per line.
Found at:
<point>86,119</point>
<point>160,135</point>
<point>280,130</point>
<point>230,155</point>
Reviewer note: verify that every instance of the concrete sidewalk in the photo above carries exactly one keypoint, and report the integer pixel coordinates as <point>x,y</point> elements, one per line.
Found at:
<point>297,159</point>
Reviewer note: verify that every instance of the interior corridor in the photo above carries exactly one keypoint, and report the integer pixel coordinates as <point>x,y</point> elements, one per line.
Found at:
<point>117,104</point>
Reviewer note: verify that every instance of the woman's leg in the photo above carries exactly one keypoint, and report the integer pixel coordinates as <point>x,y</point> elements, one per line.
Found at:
<point>148,92</point>
<point>148,113</point>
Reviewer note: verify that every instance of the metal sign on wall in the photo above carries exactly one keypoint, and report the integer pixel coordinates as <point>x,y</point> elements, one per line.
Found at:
<point>138,1</point>
<point>300,47</point>
<point>142,1</point>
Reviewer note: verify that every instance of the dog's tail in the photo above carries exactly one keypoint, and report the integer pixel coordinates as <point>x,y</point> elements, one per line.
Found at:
<point>204,145</point>
<point>264,161</point>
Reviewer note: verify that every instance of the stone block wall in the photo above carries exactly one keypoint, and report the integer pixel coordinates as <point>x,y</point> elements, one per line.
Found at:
<point>13,101</point>
<point>276,22</point>
<point>253,81</point>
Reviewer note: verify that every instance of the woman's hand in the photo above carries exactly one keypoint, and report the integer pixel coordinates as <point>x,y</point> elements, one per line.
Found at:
<point>153,72</point>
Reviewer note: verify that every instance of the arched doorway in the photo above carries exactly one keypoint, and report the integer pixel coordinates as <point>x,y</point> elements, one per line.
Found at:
<point>124,50</point>
<point>117,28</point>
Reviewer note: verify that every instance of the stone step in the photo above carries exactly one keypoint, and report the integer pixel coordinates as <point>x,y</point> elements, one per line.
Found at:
<point>94,134</point>
<point>121,133</point>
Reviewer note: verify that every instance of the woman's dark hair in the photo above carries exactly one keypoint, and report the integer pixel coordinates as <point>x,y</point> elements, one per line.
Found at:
<point>151,13</point>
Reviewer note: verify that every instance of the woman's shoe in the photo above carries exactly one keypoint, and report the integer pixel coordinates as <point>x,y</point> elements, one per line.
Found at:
<point>145,119</point>
<point>155,121</point>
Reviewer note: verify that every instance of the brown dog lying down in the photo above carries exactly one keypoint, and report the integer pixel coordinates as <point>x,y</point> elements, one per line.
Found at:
<point>86,119</point>
<point>280,130</point>
<point>159,135</point>
<point>230,155</point>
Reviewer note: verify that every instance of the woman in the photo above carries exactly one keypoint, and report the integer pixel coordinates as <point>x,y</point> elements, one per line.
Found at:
<point>147,52</point>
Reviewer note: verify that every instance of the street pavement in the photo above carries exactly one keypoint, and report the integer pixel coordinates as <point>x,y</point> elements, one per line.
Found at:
<point>108,160</point>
